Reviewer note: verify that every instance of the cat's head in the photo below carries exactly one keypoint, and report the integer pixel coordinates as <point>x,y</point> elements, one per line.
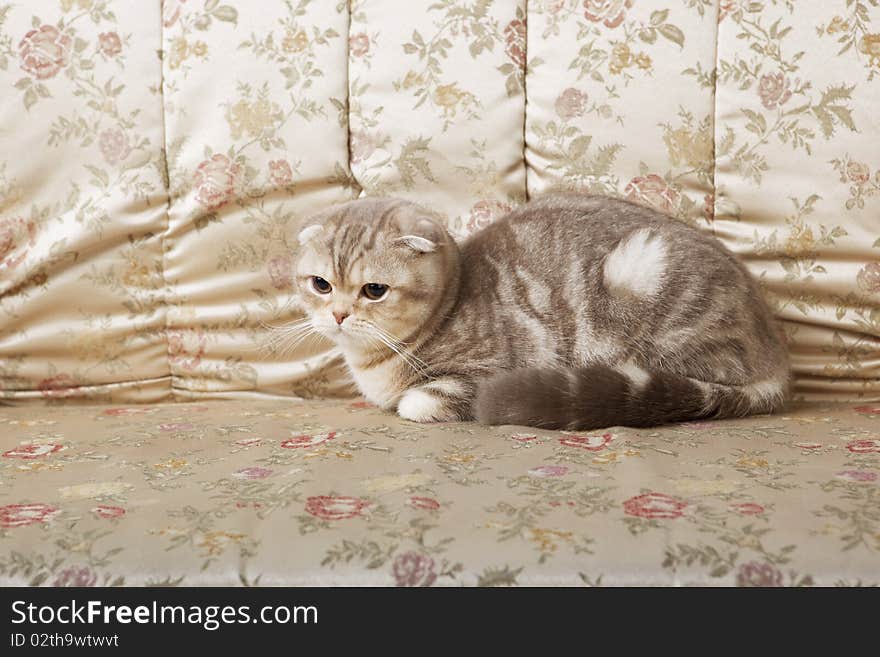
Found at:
<point>374,271</point>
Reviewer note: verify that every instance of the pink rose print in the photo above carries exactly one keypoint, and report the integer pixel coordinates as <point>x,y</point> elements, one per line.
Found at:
<point>305,440</point>
<point>28,452</point>
<point>709,207</point>
<point>186,347</point>
<point>869,410</point>
<point>362,146</point>
<point>758,573</point>
<point>58,386</point>
<point>280,173</point>
<point>609,12</point>
<point>652,190</point>
<point>524,437</point>
<point>773,90</point>
<point>590,443</point>
<point>548,471</point>
<point>725,8</point>
<point>413,569</point>
<point>868,446</point>
<point>281,272</point>
<point>252,473</point>
<point>859,476</point>
<point>485,212</point>
<point>109,44</point>
<point>654,505</point>
<point>359,44</point>
<point>14,234</point>
<point>571,104</point>
<point>747,509</point>
<point>424,503</point>
<point>114,145</point>
<point>858,172</point>
<point>108,512</point>
<point>76,577</point>
<point>329,507</point>
<point>171,11</point>
<point>215,181</point>
<point>44,52</point>
<point>19,515</point>
<point>515,36</point>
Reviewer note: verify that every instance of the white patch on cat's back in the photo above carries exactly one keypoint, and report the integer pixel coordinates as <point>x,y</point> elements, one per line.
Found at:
<point>419,406</point>
<point>637,264</point>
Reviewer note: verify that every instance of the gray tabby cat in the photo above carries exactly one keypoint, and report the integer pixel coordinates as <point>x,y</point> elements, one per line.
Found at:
<point>572,312</point>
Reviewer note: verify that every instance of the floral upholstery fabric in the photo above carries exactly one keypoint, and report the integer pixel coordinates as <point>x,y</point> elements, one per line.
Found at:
<point>82,201</point>
<point>334,492</point>
<point>158,158</point>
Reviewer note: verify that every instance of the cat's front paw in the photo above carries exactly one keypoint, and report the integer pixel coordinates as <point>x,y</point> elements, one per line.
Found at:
<point>420,406</point>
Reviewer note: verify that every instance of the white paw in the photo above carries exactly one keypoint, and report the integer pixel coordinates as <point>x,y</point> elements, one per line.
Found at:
<point>420,406</point>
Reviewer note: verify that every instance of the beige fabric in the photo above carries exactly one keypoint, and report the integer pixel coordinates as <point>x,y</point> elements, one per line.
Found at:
<point>436,94</point>
<point>82,202</point>
<point>798,178</point>
<point>321,493</point>
<point>147,206</point>
<point>256,141</point>
<point>610,109</point>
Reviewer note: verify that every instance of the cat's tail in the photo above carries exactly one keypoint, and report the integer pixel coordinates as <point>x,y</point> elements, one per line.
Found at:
<point>599,396</point>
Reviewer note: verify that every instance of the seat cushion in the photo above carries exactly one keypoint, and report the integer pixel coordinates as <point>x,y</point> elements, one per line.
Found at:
<point>331,493</point>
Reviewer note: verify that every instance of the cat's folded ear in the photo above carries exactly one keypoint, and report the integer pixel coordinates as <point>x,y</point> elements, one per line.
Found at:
<point>422,236</point>
<point>308,233</point>
<point>416,243</point>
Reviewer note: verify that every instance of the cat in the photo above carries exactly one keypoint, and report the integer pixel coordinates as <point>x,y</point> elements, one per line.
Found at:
<point>572,312</point>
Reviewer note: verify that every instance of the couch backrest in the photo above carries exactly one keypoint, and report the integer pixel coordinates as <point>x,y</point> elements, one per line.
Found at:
<point>156,160</point>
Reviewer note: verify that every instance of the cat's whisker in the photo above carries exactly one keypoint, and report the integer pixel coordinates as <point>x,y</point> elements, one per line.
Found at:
<point>282,336</point>
<point>285,325</point>
<point>401,349</point>
<point>285,338</point>
<point>296,341</point>
<point>418,366</point>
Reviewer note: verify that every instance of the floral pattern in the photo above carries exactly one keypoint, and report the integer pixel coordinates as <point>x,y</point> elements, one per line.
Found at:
<point>173,205</point>
<point>213,493</point>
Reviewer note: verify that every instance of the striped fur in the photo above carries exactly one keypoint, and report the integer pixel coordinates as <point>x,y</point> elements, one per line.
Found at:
<point>571,312</point>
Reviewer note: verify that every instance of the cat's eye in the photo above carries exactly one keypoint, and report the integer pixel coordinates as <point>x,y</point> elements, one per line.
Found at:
<point>320,286</point>
<point>374,291</point>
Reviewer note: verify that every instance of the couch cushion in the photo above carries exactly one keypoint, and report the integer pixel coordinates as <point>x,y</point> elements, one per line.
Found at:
<point>437,104</point>
<point>256,136</point>
<point>798,179</point>
<point>334,493</point>
<point>620,102</point>
<point>82,203</point>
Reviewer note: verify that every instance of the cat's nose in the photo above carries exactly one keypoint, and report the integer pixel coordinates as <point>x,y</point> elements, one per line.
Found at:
<point>340,316</point>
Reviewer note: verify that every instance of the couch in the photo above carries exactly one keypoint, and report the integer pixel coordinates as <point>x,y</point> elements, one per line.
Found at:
<point>158,158</point>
